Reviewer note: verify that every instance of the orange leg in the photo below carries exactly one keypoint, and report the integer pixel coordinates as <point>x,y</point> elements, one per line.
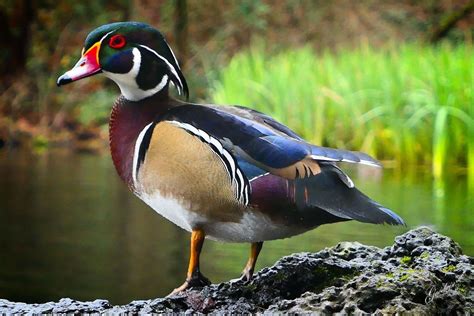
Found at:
<point>247,274</point>
<point>194,277</point>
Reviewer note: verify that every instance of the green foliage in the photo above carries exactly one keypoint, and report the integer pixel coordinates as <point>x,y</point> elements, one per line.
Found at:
<point>410,103</point>
<point>40,142</point>
<point>58,31</point>
<point>96,107</point>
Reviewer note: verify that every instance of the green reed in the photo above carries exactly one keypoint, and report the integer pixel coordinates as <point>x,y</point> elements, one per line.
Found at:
<point>410,104</point>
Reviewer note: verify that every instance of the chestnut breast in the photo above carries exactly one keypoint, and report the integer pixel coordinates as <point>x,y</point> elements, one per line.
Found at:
<point>180,173</point>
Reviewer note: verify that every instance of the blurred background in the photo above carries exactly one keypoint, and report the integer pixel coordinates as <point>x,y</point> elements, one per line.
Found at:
<point>392,78</point>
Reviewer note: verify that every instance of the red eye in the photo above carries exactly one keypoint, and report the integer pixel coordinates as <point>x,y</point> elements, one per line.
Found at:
<point>117,41</point>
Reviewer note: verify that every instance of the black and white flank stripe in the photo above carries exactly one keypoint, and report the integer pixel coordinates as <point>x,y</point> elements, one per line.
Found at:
<point>240,183</point>
<point>141,146</point>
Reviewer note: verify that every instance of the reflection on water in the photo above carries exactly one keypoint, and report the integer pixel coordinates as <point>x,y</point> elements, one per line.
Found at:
<point>70,228</point>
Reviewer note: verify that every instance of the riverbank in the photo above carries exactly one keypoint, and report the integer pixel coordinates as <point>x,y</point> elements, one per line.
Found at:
<point>422,272</point>
<point>62,133</point>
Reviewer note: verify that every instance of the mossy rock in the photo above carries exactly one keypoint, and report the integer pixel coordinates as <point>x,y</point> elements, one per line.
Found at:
<point>421,273</point>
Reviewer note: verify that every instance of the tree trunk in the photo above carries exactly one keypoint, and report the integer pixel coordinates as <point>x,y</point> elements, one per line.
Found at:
<point>181,31</point>
<point>14,40</point>
<point>448,21</point>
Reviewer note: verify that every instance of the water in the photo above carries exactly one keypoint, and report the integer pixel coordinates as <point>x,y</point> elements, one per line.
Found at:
<point>70,228</point>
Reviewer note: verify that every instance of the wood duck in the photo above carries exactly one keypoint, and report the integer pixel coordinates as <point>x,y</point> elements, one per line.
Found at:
<point>226,173</point>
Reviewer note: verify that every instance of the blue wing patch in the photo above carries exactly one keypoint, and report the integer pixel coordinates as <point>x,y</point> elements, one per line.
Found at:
<point>250,170</point>
<point>276,151</point>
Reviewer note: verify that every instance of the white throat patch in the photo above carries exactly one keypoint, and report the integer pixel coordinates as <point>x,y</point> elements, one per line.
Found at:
<point>128,84</point>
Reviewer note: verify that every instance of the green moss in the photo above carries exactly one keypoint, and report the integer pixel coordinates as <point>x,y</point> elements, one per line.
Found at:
<point>320,269</point>
<point>448,269</point>
<point>404,277</point>
<point>380,283</point>
<point>384,278</point>
<point>405,260</point>
<point>350,276</point>
<point>328,276</point>
<point>463,289</point>
<point>279,276</point>
<point>425,255</point>
<point>250,288</point>
<point>405,274</point>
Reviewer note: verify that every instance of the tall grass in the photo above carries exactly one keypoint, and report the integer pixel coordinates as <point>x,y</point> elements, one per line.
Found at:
<point>410,104</point>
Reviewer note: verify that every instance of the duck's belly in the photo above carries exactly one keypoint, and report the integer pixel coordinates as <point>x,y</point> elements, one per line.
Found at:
<point>251,226</point>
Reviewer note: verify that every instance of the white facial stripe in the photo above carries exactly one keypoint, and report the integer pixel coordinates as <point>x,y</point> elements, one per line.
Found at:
<point>239,185</point>
<point>103,37</point>
<point>173,70</point>
<point>175,60</point>
<point>137,151</point>
<point>128,84</point>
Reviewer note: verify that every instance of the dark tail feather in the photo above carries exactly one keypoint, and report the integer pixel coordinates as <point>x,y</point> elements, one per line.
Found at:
<point>328,192</point>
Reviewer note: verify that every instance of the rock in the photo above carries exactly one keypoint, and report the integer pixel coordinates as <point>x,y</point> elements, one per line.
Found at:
<point>422,273</point>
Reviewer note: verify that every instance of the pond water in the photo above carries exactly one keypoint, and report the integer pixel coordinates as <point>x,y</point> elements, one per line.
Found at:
<point>70,228</point>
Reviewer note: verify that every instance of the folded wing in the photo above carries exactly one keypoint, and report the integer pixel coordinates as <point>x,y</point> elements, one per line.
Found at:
<point>262,141</point>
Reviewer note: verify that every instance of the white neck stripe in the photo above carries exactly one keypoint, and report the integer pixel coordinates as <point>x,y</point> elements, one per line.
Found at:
<point>128,84</point>
<point>173,70</point>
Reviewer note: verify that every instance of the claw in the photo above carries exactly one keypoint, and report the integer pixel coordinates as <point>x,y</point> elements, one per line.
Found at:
<point>247,275</point>
<point>197,280</point>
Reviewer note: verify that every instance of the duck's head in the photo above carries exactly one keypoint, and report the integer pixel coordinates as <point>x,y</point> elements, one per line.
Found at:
<point>134,55</point>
